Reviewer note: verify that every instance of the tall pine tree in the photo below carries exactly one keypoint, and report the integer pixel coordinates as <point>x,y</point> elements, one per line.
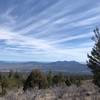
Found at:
<point>94,58</point>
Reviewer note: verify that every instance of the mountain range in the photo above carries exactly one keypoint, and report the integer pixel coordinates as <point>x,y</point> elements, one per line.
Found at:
<point>58,66</point>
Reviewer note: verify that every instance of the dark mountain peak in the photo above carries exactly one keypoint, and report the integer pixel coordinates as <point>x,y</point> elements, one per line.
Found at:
<point>64,66</point>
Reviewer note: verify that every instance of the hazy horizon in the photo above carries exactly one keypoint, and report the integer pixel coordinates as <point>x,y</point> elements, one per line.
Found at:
<point>12,61</point>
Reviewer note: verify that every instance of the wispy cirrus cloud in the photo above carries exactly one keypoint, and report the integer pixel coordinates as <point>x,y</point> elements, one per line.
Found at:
<point>47,30</point>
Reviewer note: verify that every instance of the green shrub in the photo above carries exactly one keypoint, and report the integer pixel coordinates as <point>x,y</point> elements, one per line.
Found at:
<point>36,79</point>
<point>50,78</point>
<point>59,79</point>
<point>4,85</point>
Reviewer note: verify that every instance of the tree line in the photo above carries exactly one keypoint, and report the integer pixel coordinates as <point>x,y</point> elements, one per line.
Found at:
<point>36,79</point>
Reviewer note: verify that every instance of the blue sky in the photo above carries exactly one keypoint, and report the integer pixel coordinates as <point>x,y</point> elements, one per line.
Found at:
<point>47,30</point>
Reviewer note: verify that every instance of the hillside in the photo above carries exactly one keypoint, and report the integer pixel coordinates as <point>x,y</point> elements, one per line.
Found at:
<point>62,66</point>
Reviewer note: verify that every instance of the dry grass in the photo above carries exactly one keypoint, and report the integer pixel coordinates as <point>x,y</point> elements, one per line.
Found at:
<point>87,91</point>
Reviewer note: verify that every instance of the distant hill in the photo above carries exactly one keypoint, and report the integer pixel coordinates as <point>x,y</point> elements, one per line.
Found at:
<point>59,66</point>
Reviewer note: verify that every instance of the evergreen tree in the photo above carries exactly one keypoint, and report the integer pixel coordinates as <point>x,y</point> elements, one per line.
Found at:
<point>59,79</point>
<point>17,75</point>
<point>94,58</point>
<point>50,79</point>
<point>11,73</point>
<point>68,81</point>
<point>4,85</point>
<point>35,79</point>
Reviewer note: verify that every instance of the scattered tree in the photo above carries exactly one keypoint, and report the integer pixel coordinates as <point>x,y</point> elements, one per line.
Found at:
<point>35,79</point>
<point>68,81</point>
<point>11,73</point>
<point>50,78</point>
<point>59,79</point>
<point>4,85</point>
<point>94,58</point>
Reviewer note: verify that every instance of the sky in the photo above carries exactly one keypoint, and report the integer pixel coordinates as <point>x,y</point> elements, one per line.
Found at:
<point>47,30</point>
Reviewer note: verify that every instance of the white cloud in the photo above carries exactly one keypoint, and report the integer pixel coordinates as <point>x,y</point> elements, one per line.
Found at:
<point>43,34</point>
<point>7,18</point>
<point>70,38</point>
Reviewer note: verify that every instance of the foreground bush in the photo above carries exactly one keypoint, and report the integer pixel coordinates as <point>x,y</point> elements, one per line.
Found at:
<point>35,79</point>
<point>4,84</point>
<point>59,79</point>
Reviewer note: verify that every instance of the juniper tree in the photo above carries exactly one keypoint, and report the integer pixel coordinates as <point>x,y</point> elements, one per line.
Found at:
<point>94,58</point>
<point>59,79</point>
<point>68,81</point>
<point>50,78</point>
<point>35,79</point>
<point>3,84</point>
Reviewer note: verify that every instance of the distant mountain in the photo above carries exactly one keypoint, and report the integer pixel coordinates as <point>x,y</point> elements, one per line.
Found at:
<point>59,66</point>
